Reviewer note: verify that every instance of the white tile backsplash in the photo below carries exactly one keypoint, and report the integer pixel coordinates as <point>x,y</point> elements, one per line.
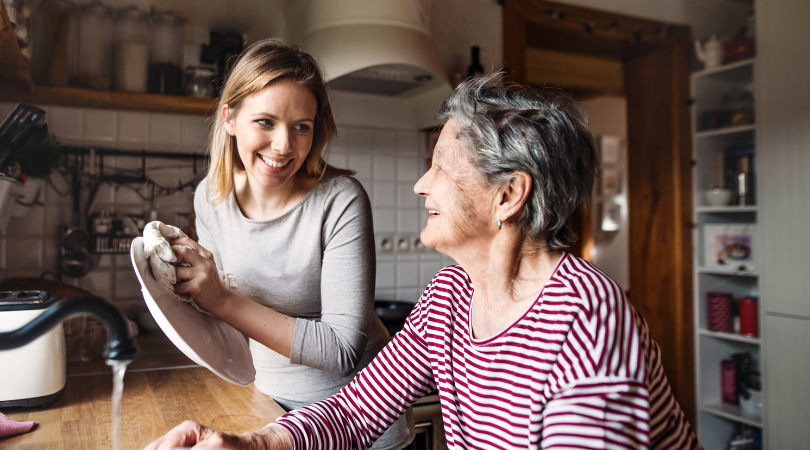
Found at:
<point>385,195</point>
<point>406,198</point>
<point>165,131</point>
<point>408,142</point>
<point>362,164</point>
<point>339,160</point>
<point>66,124</point>
<point>408,221</point>
<point>408,168</point>
<point>409,295</point>
<point>385,141</point>
<point>194,132</point>
<point>385,220</point>
<point>133,130</point>
<point>360,139</point>
<point>385,168</point>
<point>386,275</point>
<point>100,127</point>
<point>407,274</point>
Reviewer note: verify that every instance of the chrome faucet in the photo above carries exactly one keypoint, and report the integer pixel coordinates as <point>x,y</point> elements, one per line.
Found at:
<point>120,348</point>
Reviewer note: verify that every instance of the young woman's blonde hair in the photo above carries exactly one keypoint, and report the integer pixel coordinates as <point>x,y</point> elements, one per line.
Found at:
<point>262,64</point>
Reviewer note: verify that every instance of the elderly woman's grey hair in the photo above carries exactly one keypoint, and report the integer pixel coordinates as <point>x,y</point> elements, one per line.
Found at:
<point>542,133</point>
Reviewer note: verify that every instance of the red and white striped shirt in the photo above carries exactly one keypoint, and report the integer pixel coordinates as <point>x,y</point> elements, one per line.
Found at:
<point>578,370</point>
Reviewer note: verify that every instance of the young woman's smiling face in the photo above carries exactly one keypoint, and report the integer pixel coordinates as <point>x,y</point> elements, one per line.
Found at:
<point>274,131</point>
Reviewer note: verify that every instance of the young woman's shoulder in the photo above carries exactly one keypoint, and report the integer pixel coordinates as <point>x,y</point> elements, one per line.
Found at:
<point>343,190</point>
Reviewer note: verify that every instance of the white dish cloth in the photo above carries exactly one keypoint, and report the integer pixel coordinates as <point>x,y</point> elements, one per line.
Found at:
<point>156,237</point>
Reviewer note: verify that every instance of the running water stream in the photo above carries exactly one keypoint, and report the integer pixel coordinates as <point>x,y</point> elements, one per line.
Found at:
<point>118,370</point>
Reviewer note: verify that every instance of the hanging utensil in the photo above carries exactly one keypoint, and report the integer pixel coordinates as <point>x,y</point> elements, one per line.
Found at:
<point>18,126</point>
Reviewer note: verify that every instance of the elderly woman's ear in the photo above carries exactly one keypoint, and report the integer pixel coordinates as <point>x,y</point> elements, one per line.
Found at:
<point>512,195</point>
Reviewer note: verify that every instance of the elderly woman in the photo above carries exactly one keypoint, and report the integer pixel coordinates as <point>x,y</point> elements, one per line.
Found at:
<point>529,347</point>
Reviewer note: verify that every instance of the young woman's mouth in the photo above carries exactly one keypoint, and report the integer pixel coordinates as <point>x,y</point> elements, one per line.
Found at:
<point>273,164</point>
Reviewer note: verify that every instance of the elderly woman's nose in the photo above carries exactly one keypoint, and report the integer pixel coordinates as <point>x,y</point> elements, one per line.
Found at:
<point>422,185</point>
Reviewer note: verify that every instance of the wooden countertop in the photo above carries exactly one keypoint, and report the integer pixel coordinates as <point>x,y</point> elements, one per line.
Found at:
<point>155,401</point>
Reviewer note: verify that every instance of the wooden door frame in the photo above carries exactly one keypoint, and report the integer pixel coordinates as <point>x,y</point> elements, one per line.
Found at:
<point>635,37</point>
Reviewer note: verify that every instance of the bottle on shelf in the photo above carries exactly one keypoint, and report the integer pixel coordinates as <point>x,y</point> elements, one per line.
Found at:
<point>475,69</point>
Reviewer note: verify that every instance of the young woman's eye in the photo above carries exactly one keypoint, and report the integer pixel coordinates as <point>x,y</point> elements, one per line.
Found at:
<point>302,127</point>
<point>265,122</point>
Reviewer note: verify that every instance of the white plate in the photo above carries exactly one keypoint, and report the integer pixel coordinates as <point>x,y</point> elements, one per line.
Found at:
<point>205,339</point>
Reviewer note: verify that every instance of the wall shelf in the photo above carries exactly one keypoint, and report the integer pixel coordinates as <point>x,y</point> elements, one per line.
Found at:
<point>726,272</point>
<point>88,98</point>
<point>730,336</point>
<point>731,71</point>
<point>725,131</point>
<point>731,412</point>
<point>725,209</point>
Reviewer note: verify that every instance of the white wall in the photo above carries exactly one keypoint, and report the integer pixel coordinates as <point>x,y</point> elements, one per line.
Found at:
<point>607,115</point>
<point>783,145</point>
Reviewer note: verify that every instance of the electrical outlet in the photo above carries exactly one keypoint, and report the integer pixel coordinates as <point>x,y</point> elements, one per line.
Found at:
<point>384,243</point>
<point>416,244</point>
<point>402,243</point>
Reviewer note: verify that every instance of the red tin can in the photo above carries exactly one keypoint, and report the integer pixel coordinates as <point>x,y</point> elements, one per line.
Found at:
<point>719,313</point>
<point>749,316</point>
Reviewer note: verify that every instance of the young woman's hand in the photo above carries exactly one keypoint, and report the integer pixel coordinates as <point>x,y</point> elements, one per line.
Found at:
<point>200,281</point>
<point>193,435</point>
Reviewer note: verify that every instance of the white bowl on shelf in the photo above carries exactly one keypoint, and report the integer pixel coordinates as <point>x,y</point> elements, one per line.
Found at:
<point>717,197</point>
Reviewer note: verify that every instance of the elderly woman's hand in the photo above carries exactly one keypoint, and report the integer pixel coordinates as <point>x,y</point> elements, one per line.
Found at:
<point>200,281</point>
<point>193,435</point>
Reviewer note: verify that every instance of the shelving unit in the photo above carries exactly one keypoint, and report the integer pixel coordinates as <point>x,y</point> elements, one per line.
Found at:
<point>78,97</point>
<point>717,421</point>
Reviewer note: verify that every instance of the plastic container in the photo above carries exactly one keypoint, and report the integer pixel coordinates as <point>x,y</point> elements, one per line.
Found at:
<point>96,27</point>
<point>131,67</point>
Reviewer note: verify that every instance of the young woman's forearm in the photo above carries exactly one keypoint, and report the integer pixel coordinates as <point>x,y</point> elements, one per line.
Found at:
<point>260,323</point>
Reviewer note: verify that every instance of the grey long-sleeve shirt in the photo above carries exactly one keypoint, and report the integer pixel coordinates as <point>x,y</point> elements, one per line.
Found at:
<point>315,262</point>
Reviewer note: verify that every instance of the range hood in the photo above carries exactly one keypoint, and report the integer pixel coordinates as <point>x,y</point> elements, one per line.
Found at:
<point>373,47</point>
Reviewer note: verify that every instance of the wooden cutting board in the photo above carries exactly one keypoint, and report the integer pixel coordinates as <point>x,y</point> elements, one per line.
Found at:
<point>154,402</point>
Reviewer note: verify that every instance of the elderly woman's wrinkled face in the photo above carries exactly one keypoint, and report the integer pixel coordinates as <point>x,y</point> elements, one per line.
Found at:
<point>458,200</point>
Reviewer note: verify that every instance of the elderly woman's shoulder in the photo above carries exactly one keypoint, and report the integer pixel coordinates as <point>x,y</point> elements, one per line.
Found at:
<point>584,281</point>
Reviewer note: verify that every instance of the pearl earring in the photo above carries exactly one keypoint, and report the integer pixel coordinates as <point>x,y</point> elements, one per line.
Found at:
<point>499,225</point>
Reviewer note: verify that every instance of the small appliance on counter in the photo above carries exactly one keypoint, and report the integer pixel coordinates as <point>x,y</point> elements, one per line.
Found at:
<point>32,375</point>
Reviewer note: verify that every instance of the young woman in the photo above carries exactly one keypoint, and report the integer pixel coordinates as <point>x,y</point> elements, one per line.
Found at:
<point>296,233</point>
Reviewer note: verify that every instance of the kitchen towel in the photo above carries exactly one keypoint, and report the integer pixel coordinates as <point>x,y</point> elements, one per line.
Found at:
<point>156,236</point>
<point>10,427</point>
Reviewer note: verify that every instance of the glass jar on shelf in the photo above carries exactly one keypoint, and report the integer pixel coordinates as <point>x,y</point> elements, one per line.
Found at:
<point>165,74</point>
<point>131,49</point>
<point>54,43</point>
<point>96,27</point>
<point>199,81</point>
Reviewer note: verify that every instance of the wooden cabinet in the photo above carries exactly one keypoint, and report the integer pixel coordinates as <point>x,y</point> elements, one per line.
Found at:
<point>718,155</point>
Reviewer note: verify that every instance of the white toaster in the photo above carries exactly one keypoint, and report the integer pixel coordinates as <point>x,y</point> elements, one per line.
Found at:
<point>34,374</point>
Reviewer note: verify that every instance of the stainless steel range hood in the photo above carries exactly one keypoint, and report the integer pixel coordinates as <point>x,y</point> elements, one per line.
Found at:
<point>376,47</point>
